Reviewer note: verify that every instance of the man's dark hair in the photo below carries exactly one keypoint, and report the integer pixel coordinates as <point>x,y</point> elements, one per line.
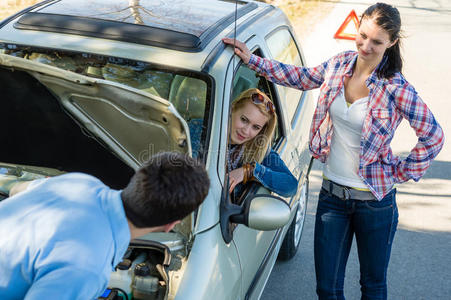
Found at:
<point>167,188</point>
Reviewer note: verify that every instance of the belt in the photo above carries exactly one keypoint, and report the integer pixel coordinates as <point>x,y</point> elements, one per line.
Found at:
<point>346,193</point>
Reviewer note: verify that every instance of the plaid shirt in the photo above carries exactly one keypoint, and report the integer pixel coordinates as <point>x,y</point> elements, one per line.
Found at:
<point>390,100</point>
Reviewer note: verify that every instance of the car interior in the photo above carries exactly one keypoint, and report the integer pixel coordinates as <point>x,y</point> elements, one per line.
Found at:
<point>189,97</point>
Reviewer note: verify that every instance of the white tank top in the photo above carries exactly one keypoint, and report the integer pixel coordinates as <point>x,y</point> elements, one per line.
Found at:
<point>342,164</point>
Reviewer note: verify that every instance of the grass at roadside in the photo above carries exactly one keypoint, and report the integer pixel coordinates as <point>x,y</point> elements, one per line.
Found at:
<point>9,7</point>
<point>304,14</point>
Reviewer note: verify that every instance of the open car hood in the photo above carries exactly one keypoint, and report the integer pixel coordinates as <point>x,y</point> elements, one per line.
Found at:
<point>131,123</point>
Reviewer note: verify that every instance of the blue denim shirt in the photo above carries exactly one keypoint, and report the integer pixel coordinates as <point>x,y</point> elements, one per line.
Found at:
<point>273,174</point>
<point>61,239</point>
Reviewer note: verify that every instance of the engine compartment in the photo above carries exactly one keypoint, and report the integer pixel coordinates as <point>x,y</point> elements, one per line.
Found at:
<point>151,268</point>
<point>142,272</point>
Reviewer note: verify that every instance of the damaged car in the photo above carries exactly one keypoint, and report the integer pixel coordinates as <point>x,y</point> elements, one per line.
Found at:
<point>100,86</point>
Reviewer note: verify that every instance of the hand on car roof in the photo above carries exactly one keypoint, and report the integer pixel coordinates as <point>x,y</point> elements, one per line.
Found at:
<point>240,49</point>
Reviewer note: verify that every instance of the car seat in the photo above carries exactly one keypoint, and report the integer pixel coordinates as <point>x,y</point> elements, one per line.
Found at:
<point>188,95</point>
<point>65,63</point>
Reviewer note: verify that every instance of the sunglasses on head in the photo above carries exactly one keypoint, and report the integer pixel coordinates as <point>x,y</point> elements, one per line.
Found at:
<point>258,99</point>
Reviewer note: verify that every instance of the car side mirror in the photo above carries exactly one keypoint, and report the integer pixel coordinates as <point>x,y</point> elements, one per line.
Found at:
<point>266,212</point>
<point>260,212</point>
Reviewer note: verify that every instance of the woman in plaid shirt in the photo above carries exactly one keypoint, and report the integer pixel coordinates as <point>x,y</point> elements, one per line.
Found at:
<point>363,98</point>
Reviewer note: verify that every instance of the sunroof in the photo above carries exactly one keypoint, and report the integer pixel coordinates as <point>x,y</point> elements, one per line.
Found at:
<point>187,16</point>
<point>186,25</point>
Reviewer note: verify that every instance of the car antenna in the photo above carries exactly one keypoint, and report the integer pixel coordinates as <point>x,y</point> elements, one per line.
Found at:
<point>227,208</point>
<point>231,92</point>
<point>234,32</point>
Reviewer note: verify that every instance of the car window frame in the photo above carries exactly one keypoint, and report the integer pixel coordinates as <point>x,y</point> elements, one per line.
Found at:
<point>277,145</point>
<point>273,94</point>
<point>295,117</point>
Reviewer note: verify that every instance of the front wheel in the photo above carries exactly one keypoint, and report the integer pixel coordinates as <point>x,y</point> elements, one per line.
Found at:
<point>292,239</point>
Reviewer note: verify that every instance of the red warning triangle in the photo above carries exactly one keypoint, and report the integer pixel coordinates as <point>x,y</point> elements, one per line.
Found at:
<point>341,34</point>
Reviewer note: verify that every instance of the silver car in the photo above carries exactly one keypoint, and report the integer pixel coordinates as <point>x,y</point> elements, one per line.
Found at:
<point>99,86</point>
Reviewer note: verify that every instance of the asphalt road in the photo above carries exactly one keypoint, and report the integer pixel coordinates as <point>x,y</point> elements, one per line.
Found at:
<point>421,254</point>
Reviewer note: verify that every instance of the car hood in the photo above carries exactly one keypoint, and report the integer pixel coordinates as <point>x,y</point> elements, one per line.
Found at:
<point>131,123</point>
<point>128,122</point>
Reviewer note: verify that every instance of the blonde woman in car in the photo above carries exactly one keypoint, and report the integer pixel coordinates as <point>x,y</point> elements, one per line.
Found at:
<point>250,156</point>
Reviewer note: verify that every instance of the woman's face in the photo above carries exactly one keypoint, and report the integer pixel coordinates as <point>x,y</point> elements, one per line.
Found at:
<point>372,41</point>
<point>247,122</point>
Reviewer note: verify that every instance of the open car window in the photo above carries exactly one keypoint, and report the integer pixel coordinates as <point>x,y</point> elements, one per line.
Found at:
<point>189,92</point>
<point>283,48</point>
<point>245,79</point>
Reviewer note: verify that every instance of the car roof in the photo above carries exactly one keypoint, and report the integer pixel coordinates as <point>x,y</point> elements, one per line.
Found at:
<point>186,25</point>
<point>262,19</point>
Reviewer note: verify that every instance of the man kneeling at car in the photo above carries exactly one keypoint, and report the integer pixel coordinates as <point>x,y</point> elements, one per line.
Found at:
<point>61,237</point>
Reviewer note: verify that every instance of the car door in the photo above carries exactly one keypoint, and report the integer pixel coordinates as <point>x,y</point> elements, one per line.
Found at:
<point>257,250</point>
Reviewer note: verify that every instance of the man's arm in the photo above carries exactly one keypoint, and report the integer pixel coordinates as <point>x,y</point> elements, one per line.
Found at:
<point>7,182</point>
<point>12,184</point>
<point>19,187</point>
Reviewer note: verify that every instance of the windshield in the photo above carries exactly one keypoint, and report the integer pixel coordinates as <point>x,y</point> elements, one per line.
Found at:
<point>187,91</point>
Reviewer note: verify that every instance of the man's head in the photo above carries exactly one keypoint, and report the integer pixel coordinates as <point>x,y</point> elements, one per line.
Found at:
<point>164,190</point>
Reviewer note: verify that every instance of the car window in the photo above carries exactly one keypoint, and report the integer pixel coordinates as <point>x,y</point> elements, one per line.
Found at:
<point>245,79</point>
<point>187,91</point>
<point>283,48</point>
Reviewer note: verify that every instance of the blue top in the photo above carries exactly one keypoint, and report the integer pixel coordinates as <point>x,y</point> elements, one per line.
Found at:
<point>273,174</point>
<point>61,238</point>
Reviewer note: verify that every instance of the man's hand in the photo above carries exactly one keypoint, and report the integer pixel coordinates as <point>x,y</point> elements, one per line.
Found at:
<point>18,187</point>
<point>241,49</point>
<point>6,183</point>
<point>12,184</point>
<point>235,177</point>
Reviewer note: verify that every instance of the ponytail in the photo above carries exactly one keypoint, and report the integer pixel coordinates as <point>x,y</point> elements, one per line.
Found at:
<point>393,62</point>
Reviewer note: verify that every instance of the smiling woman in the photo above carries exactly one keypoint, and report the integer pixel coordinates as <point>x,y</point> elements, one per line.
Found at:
<point>251,158</point>
<point>358,195</point>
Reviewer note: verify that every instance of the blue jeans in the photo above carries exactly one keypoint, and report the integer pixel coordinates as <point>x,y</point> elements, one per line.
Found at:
<point>374,225</point>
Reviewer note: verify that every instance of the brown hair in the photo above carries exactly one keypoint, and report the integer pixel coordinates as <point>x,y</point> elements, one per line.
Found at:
<point>256,148</point>
<point>388,18</point>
